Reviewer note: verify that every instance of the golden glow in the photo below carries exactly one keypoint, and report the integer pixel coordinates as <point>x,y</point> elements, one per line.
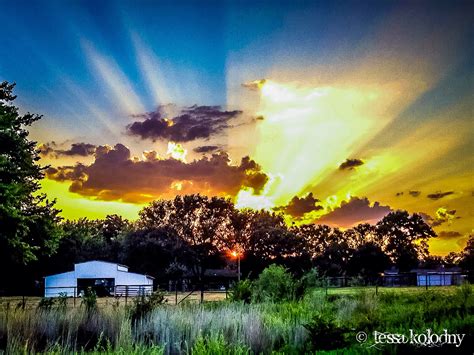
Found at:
<point>177,151</point>
<point>74,206</point>
<point>307,131</point>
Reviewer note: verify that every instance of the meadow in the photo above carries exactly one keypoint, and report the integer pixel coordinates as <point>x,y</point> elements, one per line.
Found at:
<point>314,322</point>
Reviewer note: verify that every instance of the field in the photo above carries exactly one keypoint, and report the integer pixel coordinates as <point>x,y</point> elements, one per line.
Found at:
<point>317,322</point>
<point>32,302</point>
<point>210,296</point>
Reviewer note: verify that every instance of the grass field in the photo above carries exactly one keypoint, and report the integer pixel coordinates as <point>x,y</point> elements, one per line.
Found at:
<point>32,302</point>
<point>211,296</point>
<point>317,322</point>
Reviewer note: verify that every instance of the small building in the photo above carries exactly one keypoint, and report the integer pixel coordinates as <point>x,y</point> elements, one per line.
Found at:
<point>440,276</point>
<point>107,279</point>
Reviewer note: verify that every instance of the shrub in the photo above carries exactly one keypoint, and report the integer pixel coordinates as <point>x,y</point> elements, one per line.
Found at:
<point>309,281</point>
<point>145,304</point>
<point>241,291</point>
<point>274,284</point>
<point>62,301</point>
<point>89,300</point>
<point>326,334</point>
<point>46,303</point>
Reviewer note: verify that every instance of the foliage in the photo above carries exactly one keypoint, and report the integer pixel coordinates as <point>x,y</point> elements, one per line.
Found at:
<point>275,283</point>
<point>89,299</point>
<point>325,333</point>
<point>28,220</point>
<point>241,291</point>
<point>293,327</point>
<point>46,303</point>
<point>404,238</point>
<point>144,304</point>
<point>62,301</point>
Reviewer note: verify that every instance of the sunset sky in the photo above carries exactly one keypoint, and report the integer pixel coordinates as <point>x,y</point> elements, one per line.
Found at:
<point>330,112</point>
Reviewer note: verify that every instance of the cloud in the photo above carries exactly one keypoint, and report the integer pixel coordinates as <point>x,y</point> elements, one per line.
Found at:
<point>350,164</point>
<point>414,193</point>
<point>297,207</point>
<point>191,123</point>
<point>398,194</point>
<point>76,149</point>
<point>355,211</point>
<point>442,215</point>
<point>206,148</point>
<point>114,175</point>
<point>254,85</point>
<point>439,194</point>
<point>449,234</point>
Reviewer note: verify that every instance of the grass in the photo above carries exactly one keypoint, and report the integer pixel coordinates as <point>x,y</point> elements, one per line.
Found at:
<point>307,325</point>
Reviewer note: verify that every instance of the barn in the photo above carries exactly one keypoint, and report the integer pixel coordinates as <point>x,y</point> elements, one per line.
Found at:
<point>107,279</point>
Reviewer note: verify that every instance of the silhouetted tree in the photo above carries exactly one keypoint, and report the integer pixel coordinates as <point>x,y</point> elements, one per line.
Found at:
<point>368,260</point>
<point>467,261</point>
<point>28,221</point>
<point>404,238</point>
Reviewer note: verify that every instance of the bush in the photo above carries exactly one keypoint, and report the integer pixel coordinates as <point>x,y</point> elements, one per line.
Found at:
<point>46,303</point>
<point>89,300</point>
<point>241,291</point>
<point>274,284</point>
<point>145,304</point>
<point>326,334</point>
<point>309,281</point>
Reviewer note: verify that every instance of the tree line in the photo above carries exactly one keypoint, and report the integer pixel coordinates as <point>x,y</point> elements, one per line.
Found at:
<point>189,234</point>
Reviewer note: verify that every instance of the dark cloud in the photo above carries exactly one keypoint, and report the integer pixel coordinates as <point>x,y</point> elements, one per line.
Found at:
<point>350,164</point>
<point>414,193</point>
<point>206,148</point>
<point>77,149</point>
<point>254,85</point>
<point>195,122</point>
<point>398,194</point>
<point>114,175</point>
<point>259,118</point>
<point>449,234</point>
<point>439,194</point>
<point>297,207</point>
<point>442,216</point>
<point>357,210</point>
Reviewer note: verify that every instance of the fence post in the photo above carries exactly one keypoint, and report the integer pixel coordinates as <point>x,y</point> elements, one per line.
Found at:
<point>126,294</point>
<point>176,292</point>
<point>326,286</point>
<point>74,297</point>
<point>426,282</point>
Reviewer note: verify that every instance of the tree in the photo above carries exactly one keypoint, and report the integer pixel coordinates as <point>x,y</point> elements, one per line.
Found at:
<point>201,222</point>
<point>368,260</point>
<point>467,261</point>
<point>28,221</point>
<point>404,238</point>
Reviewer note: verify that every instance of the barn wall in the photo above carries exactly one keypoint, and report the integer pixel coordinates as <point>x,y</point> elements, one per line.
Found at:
<point>63,281</point>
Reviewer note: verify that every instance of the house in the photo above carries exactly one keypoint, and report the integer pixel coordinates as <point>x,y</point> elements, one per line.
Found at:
<point>107,279</point>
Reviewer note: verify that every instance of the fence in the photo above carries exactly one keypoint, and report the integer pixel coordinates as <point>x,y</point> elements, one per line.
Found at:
<point>102,291</point>
<point>120,295</point>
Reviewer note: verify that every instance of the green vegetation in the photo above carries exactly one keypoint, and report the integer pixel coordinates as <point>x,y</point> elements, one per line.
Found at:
<point>316,322</point>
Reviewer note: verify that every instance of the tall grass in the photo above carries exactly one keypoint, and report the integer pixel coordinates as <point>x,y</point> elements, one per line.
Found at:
<point>236,328</point>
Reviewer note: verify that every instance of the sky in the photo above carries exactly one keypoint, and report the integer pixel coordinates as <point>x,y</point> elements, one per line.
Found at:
<point>333,112</point>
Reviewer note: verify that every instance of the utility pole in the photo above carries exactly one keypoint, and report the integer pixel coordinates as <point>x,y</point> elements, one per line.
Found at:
<point>238,267</point>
